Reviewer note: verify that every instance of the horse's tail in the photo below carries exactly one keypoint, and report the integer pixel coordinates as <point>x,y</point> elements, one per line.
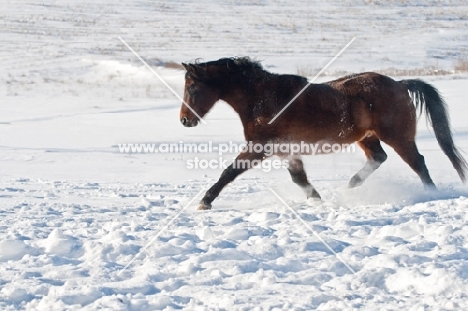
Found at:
<point>426,97</point>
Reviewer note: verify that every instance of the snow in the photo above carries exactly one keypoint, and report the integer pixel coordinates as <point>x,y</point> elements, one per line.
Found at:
<point>74,211</point>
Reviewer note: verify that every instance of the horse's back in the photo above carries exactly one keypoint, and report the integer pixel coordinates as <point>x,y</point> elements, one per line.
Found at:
<point>364,83</point>
<point>380,92</point>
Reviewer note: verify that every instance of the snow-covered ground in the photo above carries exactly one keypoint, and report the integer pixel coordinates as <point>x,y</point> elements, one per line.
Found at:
<point>74,211</point>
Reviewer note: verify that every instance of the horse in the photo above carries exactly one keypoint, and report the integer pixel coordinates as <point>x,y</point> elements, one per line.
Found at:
<point>367,108</point>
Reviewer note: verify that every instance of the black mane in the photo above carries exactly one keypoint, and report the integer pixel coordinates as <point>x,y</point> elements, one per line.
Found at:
<point>231,68</point>
<point>235,63</point>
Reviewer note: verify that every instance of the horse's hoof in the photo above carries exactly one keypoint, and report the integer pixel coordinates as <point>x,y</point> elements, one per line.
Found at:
<point>313,200</point>
<point>430,187</point>
<point>204,206</point>
<point>356,181</point>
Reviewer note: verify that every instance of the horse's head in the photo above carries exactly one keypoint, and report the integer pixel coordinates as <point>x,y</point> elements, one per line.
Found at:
<point>200,94</point>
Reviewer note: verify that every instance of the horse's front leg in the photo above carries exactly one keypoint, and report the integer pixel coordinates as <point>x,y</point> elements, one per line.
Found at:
<point>242,163</point>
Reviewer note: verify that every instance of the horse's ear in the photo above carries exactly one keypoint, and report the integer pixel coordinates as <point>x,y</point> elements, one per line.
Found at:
<point>191,69</point>
<point>195,70</point>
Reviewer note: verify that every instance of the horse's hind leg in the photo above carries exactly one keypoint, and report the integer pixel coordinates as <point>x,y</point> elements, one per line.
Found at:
<point>410,154</point>
<point>375,157</point>
<point>299,176</point>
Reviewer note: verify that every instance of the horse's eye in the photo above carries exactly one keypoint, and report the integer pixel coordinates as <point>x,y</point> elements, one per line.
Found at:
<point>191,89</point>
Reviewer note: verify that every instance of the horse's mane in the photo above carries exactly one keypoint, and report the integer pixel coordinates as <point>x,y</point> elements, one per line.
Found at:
<point>234,67</point>
<point>235,63</point>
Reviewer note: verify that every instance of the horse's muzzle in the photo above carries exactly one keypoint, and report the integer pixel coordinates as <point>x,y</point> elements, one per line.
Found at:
<point>189,123</point>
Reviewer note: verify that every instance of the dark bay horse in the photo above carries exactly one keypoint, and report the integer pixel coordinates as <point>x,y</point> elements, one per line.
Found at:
<point>366,108</point>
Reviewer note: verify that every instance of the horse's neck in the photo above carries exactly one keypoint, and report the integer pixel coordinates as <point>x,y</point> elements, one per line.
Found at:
<point>249,100</point>
<point>241,102</point>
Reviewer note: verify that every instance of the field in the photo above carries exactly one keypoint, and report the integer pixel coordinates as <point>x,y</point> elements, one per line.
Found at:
<point>84,226</point>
